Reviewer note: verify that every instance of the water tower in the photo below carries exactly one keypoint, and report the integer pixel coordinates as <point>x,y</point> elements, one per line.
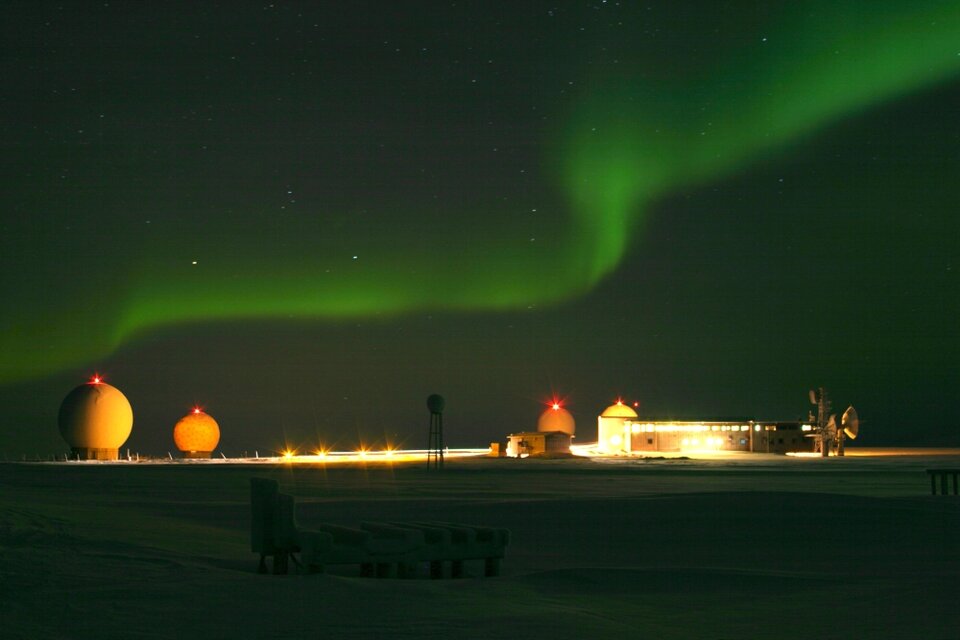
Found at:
<point>435,404</point>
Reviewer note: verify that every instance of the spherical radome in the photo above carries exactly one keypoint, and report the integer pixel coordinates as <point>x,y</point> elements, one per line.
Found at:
<point>95,416</point>
<point>197,433</point>
<point>618,410</point>
<point>556,419</point>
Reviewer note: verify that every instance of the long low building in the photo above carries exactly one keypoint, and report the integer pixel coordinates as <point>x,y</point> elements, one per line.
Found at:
<point>621,432</point>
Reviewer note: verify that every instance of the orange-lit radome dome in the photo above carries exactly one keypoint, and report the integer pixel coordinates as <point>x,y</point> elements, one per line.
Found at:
<point>556,418</point>
<point>196,432</point>
<point>618,410</point>
<point>95,416</point>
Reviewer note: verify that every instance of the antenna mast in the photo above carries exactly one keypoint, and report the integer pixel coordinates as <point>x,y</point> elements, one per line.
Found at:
<point>826,423</point>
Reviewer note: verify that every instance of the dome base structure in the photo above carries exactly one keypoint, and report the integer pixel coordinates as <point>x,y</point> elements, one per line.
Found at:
<point>90,453</point>
<point>197,454</point>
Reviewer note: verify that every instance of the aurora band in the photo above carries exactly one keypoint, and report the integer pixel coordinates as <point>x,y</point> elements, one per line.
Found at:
<point>628,141</point>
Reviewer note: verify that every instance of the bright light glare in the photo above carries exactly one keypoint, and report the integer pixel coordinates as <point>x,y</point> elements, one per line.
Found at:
<point>587,450</point>
<point>320,456</point>
<point>369,456</point>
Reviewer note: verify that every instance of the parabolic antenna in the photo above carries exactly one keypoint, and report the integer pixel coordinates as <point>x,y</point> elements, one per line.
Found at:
<point>850,422</point>
<point>813,397</point>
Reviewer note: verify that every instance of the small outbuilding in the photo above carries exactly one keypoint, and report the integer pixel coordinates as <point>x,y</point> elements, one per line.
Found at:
<point>555,431</point>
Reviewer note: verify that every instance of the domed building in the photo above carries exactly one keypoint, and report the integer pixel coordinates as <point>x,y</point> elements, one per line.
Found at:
<point>196,434</point>
<point>555,430</point>
<point>95,420</point>
<point>556,418</point>
<point>613,428</point>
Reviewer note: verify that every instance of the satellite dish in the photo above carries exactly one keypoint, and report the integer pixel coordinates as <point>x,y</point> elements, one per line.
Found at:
<point>832,422</point>
<point>850,422</point>
<point>813,397</point>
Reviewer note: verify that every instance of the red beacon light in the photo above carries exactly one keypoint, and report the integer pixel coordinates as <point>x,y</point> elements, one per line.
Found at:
<point>556,406</point>
<point>96,379</point>
<point>196,411</point>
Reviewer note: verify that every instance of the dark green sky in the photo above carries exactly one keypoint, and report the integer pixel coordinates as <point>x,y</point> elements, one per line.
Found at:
<point>309,216</point>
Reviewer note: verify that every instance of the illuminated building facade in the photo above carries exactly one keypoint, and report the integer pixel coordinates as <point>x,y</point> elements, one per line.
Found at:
<point>538,443</point>
<point>612,436</point>
<point>621,432</point>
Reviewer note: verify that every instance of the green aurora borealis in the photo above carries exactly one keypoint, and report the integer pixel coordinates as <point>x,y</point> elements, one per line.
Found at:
<point>622,140</point>
<point>655,136</point>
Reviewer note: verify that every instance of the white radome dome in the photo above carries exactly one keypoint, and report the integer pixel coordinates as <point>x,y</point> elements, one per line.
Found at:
<point>95,416</point>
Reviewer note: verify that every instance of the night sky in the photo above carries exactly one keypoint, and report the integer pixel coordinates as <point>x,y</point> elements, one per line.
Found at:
<point>307,217</point>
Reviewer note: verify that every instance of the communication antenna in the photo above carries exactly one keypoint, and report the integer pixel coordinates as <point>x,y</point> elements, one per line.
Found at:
<point>827,431</point>
<point>850,426</point>
<point>850,422</point>
<point>435,404</point>
<point>826,424</point>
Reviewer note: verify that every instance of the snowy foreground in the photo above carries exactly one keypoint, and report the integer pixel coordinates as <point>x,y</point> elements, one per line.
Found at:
<point>753,546</point>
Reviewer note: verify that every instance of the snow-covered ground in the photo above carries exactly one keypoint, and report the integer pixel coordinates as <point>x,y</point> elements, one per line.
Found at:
<point>749,546</point>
